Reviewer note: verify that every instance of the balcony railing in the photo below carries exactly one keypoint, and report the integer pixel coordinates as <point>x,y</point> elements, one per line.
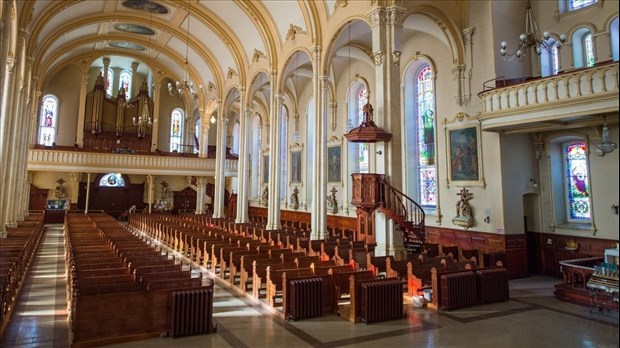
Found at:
<point>97,162</point>
<point>552,97</point>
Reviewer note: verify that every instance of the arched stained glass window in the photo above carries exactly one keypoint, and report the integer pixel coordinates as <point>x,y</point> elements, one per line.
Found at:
<point>176,129</point>
<point>362,150</point>
<point>588,45</point>
<point>112,180</point>
<point>108,82</point>
<point>427,179</point>
<point>125,82</point>
<point>576,173</point>
<point>49,120</point>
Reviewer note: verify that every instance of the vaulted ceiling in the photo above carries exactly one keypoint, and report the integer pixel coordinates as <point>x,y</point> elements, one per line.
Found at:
<point>219,37</point>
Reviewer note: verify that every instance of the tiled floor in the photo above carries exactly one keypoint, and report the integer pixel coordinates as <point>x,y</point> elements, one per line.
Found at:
<point>532,318</point>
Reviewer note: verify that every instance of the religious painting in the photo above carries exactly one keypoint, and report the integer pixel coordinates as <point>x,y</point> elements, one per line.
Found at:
<point>134,28</point>
<point>296,166</point>
<point>334,163</point>
<point>464,156</point>
<point>265,168</point>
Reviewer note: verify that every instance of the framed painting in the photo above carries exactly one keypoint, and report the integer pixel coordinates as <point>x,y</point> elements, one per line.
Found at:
<point>265,169</point>
<point>296,168</point>
<point>464,156</point>
<point>334,163</point>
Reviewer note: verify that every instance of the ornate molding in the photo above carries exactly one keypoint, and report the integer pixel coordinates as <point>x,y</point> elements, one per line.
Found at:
<point>231,73</point>
<point>467,35</point>
<point>378,58</point>
<point>257,55</point>
<point>341,3</point>
<point>378,17</point>
<point>293,30</point>
<point>396,57</point>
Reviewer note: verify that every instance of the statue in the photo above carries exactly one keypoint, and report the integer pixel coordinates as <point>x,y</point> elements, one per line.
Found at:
<point>265,196</point>
<point>60,190</point>
<point>332,202</point>
<point>464,215</point>
<point>164,190</point>
<point>295,199</point>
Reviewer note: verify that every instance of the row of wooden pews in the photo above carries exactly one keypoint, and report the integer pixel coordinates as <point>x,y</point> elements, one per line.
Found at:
<point>16,253</point>
<point>273,266</point>
<point>122,288</point>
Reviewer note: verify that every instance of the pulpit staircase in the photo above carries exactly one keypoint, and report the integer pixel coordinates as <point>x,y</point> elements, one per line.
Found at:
<point>372,191</point>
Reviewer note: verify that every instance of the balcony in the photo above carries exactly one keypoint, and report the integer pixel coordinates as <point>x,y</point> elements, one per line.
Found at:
<point>100,162</point>
<point>569,100</point>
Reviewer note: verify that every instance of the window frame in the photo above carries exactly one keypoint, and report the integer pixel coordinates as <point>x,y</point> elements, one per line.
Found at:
<point>53,120</point>
<point>181,127</point>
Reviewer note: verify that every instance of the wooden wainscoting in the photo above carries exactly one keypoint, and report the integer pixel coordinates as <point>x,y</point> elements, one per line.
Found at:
<point>546,250</point>
<point>335,224</point>
<point>513,246</point>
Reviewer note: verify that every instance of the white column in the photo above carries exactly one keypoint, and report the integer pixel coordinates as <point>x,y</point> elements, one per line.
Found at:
<point>321,129</point>
<point>150,185</point>
<point>275,174</point>
<point>134,86</point>
<point>201,185</point>
<point>75,186</point>
<point>243,162</point>
<point>5,121</point>
<point>220,158</point>
<point>87,193</point>
<point>205,125</point>
<point>81,110</point>
<point>21,135</point>
<point>13,136</point>
<point>317,199</point>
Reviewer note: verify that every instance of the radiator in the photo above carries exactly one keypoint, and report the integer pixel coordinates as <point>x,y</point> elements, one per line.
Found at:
<point>381,301</point>
<point>306,299</point>
<point>458,290</point>
<point>492,285</point>
<point>191,312</point>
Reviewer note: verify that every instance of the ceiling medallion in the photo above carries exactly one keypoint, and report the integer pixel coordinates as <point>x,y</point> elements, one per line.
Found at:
<point>134,28</point>
<point>145,5</point>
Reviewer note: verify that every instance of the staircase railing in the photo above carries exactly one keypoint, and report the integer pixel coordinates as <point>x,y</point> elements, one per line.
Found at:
<point>403,210</point>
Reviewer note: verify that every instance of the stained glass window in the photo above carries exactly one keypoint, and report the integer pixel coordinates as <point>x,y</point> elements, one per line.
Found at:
<point>427,181</point>
<point>176,130</point>
<point>108,83</point>
<point>49,120</point>
<point>362,150</point>
<point>125,82</point>
<point>576,171</point>
<point>112,180</point>
<point>577,4</point>
<point>589,50</point>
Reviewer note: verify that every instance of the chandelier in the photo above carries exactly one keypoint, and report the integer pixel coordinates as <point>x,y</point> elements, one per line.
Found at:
<point>185,85</point>
<point>144,119</point>
<point>606,145</point>
<point>530,38</point>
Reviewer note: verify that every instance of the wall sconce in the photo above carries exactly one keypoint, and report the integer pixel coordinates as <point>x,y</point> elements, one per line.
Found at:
<point>614,209</point>
<point>379,153</point>
<point>212,119</point>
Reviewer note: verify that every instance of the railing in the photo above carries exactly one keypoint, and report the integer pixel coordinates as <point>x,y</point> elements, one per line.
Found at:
<point>97,162</point>
<point>600,81</point>
<point>405,210</point>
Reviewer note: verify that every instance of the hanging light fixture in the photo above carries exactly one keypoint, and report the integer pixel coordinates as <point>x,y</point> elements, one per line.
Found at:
<point>367,131</point>
<point>606,145</point>
<point>530,38</point>
<point>144,118</point>
<point>185,85</point>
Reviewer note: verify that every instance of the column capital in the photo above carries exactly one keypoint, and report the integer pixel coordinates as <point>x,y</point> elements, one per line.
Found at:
<point>395,15</point>
<point>84,78</point>
<point>75,176</point>
<point>316,52</point>
<point>201,181</point>
<point>467,35</point>
<point>106,62</point>
<point>10,64</point>
<point>134,66</point>
<point>378,16</point>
